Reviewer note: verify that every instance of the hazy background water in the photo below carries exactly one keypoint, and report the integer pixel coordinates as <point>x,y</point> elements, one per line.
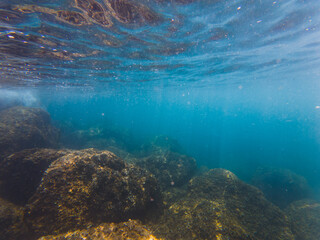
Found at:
<point>235,82</point>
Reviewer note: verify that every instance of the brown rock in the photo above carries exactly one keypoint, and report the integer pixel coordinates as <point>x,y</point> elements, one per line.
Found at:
<point>171,169</point>
<point>90,187</point>
<point>11,221</point>
<point>220,206</point>
<point>107,231</point>
<point>305,219</point>
<point>21,172</point>
<point>23,128</point>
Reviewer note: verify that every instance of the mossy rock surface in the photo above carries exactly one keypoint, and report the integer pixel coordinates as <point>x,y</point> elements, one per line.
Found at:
<point>21,172</point>
<point>131,229</point>
<point>305,219</point>
<point>24,128</point>
<point>11,221</point>
<point>220,206</point>
<point>91,187</point>
<point>170,168</point>
<point>281,186</point>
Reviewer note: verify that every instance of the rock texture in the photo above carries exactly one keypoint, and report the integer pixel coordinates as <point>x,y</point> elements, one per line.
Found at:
<point>21,172</point>
<point>305,219</point>
<point>120,231</point>
<point>281,186</point>
<point>11,221</point>
<point>170,168</point>
<point>220,206</point>
<point>23,128</point>
<point>91,187</point>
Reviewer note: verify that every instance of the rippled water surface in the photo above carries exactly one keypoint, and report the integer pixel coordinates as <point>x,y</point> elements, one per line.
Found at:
<point>174,42</point>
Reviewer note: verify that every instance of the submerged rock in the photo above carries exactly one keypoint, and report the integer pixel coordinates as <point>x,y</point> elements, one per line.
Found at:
<point>121,231</point>
<point>23,128</point>
<point>160,144</point>
<point>170,169</point>
<point>21,172</point>
<point>281,186</point>
<point>11,221</point>
<point>220,206</point>
<point>91,187</point>
<point>98,137</point>
<point>305,219</point>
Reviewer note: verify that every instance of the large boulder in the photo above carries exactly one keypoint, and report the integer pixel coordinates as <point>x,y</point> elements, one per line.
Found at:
<point>23,128</point>
<point>220,206</point>
<point>91,187</point>
<point>281,186</point>
<point>305,219</point>
<point>132,229</point>
<point>170,168</point>
<point>21,172</point>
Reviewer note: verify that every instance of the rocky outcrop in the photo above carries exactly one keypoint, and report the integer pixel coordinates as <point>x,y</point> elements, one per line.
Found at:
<point>305,219</point>
<point>11,221</point>
<point>23,128</point>
<point>132,229</point>
<point>170,168</point>
<point>281,186</point>
<point>220,206</point>
<point>21,172</point>
<point>91,187</point>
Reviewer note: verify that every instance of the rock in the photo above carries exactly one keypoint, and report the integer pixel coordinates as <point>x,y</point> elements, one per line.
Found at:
<point>11,221</point>
<point>91,187</point>
<point>305,219</point>
<point>161,144</point>
<point>281,186</point>
<point>132,229</point>
<point>170,168</point>
<point>172,195</point>
<point>21,172</point>
<point>99,137</point>
<point>23,128</point>
<point>220,206</point>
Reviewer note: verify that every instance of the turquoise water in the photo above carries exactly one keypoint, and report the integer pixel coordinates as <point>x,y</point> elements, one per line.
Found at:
<point>236,83</point>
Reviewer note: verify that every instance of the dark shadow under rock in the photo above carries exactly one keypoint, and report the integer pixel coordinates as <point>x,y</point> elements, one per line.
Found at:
<point>91,187</point>
<point>305,219</point>
<point>132,229</point>
<point>220,206</point>
<point>23,128</point>
<point>21,172</point>
<point>281,186</point>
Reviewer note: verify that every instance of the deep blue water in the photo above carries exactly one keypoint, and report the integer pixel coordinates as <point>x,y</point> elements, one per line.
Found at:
<point>235,82</point>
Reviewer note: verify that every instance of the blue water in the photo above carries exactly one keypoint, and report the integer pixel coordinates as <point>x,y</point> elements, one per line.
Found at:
<point>235,82</point>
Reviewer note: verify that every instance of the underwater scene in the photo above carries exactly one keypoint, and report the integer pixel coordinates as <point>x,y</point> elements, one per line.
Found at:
<point>160,119</point>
